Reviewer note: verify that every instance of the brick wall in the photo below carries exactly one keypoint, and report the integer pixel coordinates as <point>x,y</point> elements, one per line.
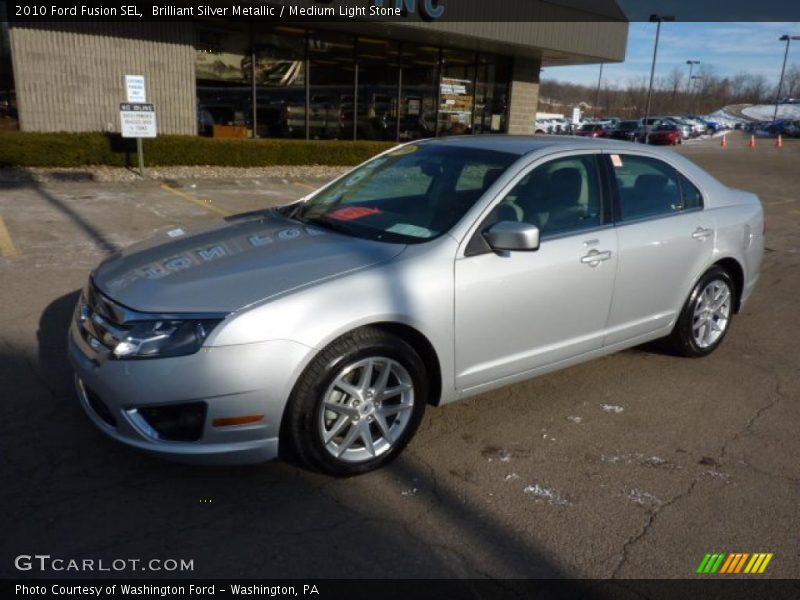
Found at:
<point>70,76</point>
<point>524,99</point>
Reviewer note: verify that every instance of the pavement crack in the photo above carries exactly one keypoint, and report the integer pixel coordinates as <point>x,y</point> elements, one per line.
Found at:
<point>652,515</point>
<point>748,428</point>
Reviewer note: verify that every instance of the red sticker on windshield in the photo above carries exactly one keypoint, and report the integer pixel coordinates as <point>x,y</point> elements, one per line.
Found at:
<point>351,213</point>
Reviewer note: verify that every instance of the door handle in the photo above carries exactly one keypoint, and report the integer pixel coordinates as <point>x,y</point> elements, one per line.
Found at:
<point>595,257</point>
<point>702,233</point>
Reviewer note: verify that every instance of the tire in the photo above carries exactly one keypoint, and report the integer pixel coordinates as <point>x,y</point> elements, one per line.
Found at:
<point>327,428</point>
<point>701,327</point>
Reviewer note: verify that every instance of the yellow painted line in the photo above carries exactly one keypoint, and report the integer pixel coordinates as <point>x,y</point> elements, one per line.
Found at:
<point>764,564</point>
<point>7,247</point>
<point>195,200</point>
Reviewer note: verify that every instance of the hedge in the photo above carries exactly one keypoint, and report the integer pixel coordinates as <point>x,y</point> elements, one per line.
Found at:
<point>24,149</point>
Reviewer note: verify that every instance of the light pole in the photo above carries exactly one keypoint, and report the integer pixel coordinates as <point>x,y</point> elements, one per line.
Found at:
<point>693,93</point>
<point>597,94</point>
<point>653,19</point>
<point>788,39</point>
<point>691,64</point>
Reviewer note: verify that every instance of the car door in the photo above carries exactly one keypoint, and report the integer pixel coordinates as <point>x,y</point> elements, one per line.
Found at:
<point>518,311</point>
<point>666,240</point>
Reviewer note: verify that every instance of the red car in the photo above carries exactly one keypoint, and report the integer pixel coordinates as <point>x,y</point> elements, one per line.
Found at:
<point>666,135</point>
<point>592,130</point>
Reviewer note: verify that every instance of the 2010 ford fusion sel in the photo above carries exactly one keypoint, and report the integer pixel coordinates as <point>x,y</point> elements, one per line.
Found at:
<point>437,270</point>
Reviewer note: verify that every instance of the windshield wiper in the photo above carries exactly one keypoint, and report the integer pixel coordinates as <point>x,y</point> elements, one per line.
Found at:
<point>262,212</point>
<point>327,223</point>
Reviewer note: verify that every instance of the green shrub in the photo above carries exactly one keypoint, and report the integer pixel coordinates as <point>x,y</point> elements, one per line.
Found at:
<point>24,149</point>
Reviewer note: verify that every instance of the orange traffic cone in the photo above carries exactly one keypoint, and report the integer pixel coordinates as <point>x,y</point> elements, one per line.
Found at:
<point>779,141</point>
<point>724,142</point>
<point>752,142</point>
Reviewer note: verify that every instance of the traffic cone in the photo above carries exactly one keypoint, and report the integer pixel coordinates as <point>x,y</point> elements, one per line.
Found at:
<point>724,142</point>
<point>779,141</point>
<point>752,142</point>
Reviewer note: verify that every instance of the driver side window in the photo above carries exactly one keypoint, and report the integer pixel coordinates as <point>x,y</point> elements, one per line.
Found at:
<point>560,196</point>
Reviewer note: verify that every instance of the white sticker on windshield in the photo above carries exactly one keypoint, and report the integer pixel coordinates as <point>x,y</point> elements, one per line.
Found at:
<point>616,160</point>
<point>412,230</point>
<point>173,233</point>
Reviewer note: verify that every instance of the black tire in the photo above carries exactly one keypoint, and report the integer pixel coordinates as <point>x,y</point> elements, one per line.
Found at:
<point>301,438</point>
<point>682,339</point>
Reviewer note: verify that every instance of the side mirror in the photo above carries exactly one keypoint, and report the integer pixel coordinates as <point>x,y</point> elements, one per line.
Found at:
<point>512,235</point>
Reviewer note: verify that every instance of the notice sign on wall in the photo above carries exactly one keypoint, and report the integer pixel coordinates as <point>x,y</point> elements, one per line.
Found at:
<point>137,120</point>
<point>135,90</point>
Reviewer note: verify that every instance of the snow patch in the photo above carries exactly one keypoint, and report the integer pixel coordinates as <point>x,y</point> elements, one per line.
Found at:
<point>643,498</point>
<point>611,408</point>
<point>549,495</point>
<point>765,112</point>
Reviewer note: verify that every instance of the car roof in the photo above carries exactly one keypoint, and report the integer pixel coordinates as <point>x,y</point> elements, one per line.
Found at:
<point>525,144</point>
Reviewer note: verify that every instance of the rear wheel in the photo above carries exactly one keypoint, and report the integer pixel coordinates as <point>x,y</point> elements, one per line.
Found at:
<point>357,405</point>
<point>706,316</point>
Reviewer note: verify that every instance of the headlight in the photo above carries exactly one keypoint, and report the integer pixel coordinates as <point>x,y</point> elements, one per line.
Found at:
<point>157,339</point>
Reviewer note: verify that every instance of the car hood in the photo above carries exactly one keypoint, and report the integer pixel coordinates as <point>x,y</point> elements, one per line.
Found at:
<point>223,268</point>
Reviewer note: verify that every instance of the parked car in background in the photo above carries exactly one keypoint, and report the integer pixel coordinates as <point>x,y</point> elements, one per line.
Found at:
<point>629,131</point>
<point>437,271</point>
<point>666,134</point>
<point>684,127</point>
<point>698,125</point>
<point>595,130</point>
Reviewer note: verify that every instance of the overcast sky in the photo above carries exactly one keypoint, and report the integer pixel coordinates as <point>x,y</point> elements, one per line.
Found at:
<point>727,47</point>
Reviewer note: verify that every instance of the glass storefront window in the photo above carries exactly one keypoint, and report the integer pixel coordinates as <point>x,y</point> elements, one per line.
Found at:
<point>418,95</point>
<point>457,93</point>
<point>491,94</point>
<point>331,79</point>
<point>281,82</point>
<point>329,85</point>
<point>224,95</point>
<point>378,68</point>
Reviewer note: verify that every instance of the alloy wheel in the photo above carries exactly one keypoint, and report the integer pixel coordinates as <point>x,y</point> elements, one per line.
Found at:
<point>712,312</point>
<point>366,409</point>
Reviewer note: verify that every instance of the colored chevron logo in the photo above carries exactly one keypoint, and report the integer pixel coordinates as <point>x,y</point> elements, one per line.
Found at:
<point>734,563</point>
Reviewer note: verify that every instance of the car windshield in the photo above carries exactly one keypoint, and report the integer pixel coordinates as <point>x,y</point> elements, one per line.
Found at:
<point>666,127</point>
<point>628,125</point>
<point>412,194</point>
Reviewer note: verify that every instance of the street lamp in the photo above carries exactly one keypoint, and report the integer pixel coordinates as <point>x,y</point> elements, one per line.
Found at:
<point>653,19</point>
<point>788,39</point>
<point>693,95</point>
<point>691,64</point>
<point>597,94</point>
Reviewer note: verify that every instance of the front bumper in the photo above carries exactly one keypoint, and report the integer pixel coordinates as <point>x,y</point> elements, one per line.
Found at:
<point>230,381</point>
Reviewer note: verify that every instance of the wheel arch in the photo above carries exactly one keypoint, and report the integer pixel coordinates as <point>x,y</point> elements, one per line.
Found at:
<point>423,347</point>
<point>735,270</point>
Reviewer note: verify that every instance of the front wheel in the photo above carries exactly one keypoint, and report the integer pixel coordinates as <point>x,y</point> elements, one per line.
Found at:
<point>357,405</point>
<point>706,316</point>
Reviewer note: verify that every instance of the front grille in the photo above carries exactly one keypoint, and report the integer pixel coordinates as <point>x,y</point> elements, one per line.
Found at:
<point>176,422</point>
<point>99,407</point>
<point>100,321</point>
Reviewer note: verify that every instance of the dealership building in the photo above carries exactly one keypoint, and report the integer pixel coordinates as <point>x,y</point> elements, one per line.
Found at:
<point>397,80</point>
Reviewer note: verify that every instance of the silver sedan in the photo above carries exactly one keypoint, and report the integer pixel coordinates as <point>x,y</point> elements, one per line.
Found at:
<point>438,270</point>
